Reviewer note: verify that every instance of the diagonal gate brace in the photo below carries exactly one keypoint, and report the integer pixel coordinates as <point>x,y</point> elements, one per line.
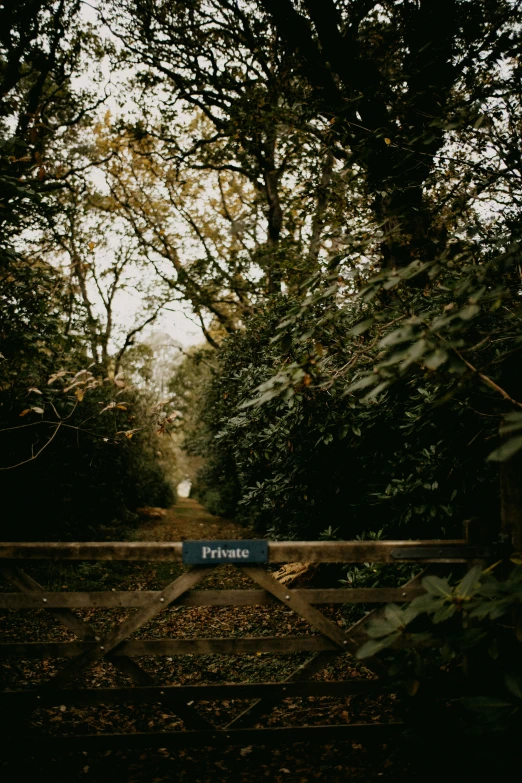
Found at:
<point>355,635</point>
<point>190,716</point>
<point>316,618</point>
<point>130,625</point>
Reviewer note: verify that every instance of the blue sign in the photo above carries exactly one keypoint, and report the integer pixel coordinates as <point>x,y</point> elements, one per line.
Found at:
<point>214,552</point>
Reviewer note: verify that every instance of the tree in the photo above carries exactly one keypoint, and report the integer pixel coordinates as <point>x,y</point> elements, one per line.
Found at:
<point>43,47</point>
<point>396,79</point>
<point>237,154</point>
<point>102,265</point>
<point>72,449</point>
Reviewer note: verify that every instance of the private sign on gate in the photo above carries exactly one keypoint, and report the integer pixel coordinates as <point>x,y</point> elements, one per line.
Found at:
<point>214,552</point>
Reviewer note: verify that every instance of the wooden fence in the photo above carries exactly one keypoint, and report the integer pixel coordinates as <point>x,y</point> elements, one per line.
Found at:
<point>116,646</point>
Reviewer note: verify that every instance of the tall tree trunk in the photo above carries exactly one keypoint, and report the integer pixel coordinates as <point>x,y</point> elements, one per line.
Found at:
<point>318,219</point>
<point>274,218</point>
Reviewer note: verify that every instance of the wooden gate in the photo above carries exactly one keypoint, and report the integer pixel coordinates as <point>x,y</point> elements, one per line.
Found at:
<point>330,641</point>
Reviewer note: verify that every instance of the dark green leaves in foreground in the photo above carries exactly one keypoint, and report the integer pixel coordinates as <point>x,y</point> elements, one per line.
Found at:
<point>440,602</point>
<point>477,618</point>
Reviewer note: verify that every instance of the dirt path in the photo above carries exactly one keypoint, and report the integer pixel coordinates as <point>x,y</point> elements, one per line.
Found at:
<point>188,520</point>
<point>293,764</point>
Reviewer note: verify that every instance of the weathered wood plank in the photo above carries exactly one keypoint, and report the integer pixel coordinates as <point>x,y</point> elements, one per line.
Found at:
<point>296,603</point>
<point>278,551</point>
<point>76,624</point>
<point>353,551</point>
<point>265,703</point>
<point>175,693</point>
<point>26,583</point>
<point>129,626</point>
<point>135,599</point>
<point>92,550</point>
<point>314,664</point>
<point>316,619</point>
<point>318,735</point>
<point>86,632</point>
<point>152,647</point>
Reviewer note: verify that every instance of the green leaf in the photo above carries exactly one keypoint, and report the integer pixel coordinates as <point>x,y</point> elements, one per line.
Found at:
<point>512,423</point>
<point>414,353</point>
<point>485,703</point>
<point>514,685</point>
<point>469,582</point>
<point>374,393</point>
<point>361,327</point>
<point>506,450</point>
<point>435,359</point>
<point>444,613</point>
<point>362,383</point>
<point>437,586</point>
<point>425,603</point>
<point>391,282</point>
<point>513,417</point>
<point>397,336</point>
<point>467,313</point>
<point>373,646</point>
<point>380,627</point>
<point>393,614</point>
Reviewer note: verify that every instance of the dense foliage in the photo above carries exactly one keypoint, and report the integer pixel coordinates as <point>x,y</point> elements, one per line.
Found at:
<point>470,626</point>
<point>317,458</point>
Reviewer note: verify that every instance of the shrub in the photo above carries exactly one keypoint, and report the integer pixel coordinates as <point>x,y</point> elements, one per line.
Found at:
<point>315,457</point>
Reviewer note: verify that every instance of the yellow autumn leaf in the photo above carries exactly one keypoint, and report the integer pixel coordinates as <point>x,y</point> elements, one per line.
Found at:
<point>387,141</point>
<point>92,245</point>
<point>27,410</point>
